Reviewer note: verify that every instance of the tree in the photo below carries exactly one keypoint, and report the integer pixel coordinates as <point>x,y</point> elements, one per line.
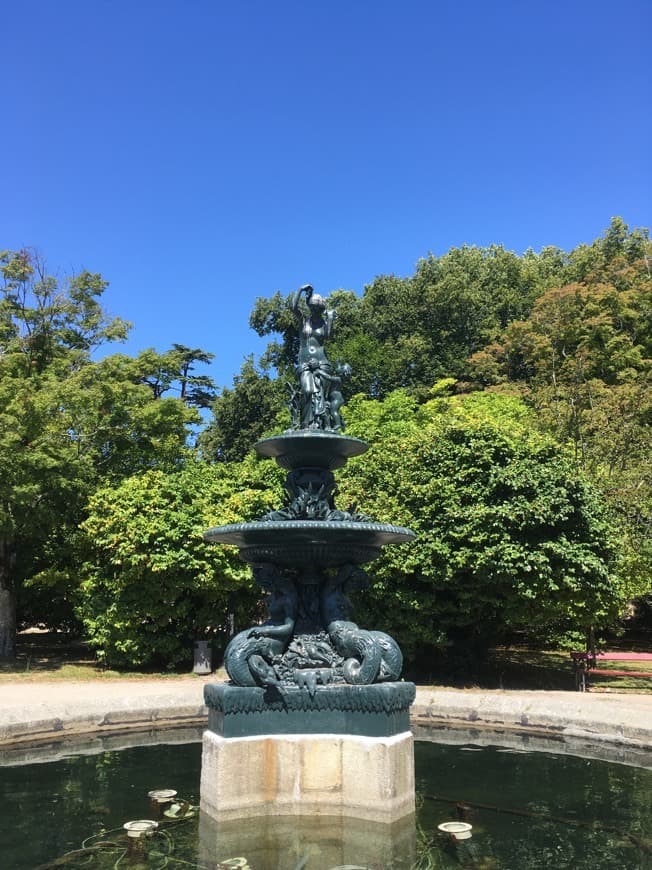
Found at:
<point>46,334</point>
<point>150,583</point>
<point>509,534</point>
<point>64,420</point>
<point>173,371</point>
<point>243,414</point>
<point>410,332</point>
<point>583,360</point>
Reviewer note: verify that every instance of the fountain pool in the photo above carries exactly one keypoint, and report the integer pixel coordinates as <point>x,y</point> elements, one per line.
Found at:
<point>527,809</point>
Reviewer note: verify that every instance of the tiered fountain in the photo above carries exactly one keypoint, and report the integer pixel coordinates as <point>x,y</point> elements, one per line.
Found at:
<point>315,720</point>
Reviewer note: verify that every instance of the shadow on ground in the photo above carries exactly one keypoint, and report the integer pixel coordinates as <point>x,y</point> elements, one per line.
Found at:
<point>52,655</point>
<point>522,668</point>
<point>48,651</point>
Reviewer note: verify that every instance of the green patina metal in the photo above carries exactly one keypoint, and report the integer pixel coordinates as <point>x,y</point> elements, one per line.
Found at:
<point>309,668</point>
<point>372,711</point>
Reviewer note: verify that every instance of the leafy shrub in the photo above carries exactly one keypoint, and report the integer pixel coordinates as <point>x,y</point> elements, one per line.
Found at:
<point>151,583</point>
<point>509,535</point>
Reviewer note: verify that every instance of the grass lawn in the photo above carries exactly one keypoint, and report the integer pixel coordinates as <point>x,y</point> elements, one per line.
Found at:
<point>553,670</point>
<point>51,656</point>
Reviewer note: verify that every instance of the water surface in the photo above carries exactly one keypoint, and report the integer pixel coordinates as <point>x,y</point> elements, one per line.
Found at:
<point>528,810</point>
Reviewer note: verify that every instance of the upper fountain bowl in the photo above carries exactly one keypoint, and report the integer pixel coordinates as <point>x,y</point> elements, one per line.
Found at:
<point>310,448</point>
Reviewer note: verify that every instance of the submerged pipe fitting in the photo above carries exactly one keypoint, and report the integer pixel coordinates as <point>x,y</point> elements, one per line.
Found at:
<point>137,833</point>
<point>159,798</point>
<point>456,830</point>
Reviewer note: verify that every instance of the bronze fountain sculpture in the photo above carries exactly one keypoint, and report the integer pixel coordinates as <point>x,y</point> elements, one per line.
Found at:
<point>309,668</point>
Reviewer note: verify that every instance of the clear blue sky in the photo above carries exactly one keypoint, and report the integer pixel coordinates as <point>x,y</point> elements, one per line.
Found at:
<point>202,153</point>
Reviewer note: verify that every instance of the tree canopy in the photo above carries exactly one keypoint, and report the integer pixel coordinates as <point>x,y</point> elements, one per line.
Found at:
<point>67,421</point>
<point>510,534</point>
<point>506,399</point>
<point>569,332</point>
<point>242,413</point>
<point>150,584</point>
<point>583,361</point>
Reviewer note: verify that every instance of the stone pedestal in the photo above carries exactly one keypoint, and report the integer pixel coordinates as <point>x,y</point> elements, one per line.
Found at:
<point>330,775</point>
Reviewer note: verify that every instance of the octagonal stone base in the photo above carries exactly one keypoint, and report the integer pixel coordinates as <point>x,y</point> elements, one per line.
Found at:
<point>329,775</point>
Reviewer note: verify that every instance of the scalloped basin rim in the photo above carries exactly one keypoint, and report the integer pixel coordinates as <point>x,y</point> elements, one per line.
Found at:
<point>327,445</point>
<point>252,534</point>
<point>316,435</point>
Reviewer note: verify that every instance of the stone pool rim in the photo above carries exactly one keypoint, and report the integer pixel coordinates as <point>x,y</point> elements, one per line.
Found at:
<point>30,714</point>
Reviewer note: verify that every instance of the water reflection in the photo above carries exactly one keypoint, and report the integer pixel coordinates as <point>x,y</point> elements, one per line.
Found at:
<point>527,809</point>
<point>286,843</point>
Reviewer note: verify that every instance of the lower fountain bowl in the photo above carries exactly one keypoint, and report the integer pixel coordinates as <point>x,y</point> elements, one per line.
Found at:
<point>315,544</point>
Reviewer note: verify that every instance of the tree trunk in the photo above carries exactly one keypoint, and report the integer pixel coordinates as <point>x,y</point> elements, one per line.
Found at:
<point>7,604</point>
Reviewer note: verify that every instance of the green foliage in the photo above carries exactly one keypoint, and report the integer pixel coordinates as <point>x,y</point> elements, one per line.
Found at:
<point>46,335</point>
<point>151,584</point>
<point>243,414</point>
<point>273,315</point>
<point>561,342</point>
<point>583,360</point>
<point>66,423</point>
<point>410,332</point>
<point>509,535</point>
<point>174,371</point>
<point>43,324</point>
<point>558,346</point>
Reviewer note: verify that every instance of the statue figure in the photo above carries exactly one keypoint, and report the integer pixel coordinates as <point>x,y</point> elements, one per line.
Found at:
<point>271,654</point>
<point>334,601</point>
<point>369,656</point>
<point>249,657</point>
<point>318,403</point>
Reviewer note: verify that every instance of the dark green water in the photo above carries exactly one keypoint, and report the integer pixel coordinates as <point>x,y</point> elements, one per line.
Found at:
<point>528,811</point>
